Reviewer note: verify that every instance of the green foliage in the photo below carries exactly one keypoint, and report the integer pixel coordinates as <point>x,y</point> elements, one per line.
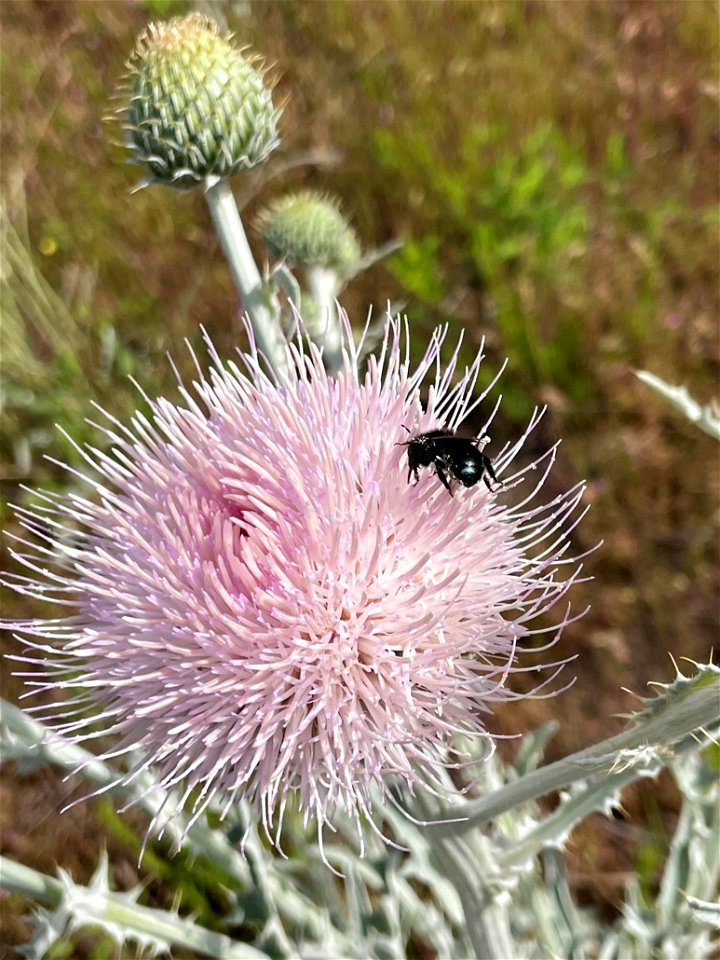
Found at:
<point>651,853</point>
<point>162,9</point>
<point>418,269</point>
<point>517,216</point>
<point>61,949</point>
<point>56,359</point>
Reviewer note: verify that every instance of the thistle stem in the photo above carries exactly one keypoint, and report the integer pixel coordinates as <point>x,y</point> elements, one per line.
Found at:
<point>246,276</point>
<point>707,418</point>
<point>323,285</point>
<point>629,755</point>
<point>116,909</point>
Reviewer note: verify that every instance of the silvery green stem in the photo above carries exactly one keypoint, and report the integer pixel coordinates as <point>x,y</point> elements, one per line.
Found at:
<point>36,886</point>
<point>323,286</point>
<point>273,930</point>
<point>117,912</point>
<point>707,418</point>
<point>470,864</point>
<point>246,276</point>
<point>595,795</point>
<point>282,277</point>
<point>693,864</point>
<point>563,927</point>
<point>706,911</point>
<point>487,918</point>
<point>636,751</point>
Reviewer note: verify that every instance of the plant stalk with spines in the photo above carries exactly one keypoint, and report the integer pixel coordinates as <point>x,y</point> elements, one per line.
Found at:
<point>707,418</point>
<point>494,867</point>
<point>257,297</point>
<point>118,914</point>
<point>669,725</point>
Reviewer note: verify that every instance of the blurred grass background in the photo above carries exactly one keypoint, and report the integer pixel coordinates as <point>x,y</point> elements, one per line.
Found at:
<point>553,169</point>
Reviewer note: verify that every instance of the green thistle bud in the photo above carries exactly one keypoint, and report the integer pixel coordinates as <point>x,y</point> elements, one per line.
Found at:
<point>308,229</point>
<point>199,110</point>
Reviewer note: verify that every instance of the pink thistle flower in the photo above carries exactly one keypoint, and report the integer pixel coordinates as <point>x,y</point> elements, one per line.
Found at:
<point>262,605</point>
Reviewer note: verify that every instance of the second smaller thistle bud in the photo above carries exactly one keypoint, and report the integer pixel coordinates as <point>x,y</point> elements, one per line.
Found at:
<point>199,110</point>
<point>308,230</point>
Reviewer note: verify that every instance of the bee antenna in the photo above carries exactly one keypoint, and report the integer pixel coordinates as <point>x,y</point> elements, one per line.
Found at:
<point>405,443</point>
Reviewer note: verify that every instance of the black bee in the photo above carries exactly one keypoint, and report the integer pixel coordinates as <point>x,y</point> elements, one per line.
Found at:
<point>457,457</point>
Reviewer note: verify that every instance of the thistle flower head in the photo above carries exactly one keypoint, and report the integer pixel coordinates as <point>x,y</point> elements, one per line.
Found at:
<point>307,229</point>
<point>198,109</point>
<point>264,606</point>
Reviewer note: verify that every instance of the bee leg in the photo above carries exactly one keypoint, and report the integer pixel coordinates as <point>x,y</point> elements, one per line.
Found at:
<point>443,479</point>
<point>490,487</point>
<point>487,463</point>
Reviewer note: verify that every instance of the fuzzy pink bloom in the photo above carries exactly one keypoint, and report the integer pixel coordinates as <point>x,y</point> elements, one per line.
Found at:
<point>264,606</point>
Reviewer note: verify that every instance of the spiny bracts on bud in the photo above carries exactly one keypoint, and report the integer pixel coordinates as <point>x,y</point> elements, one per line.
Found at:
<point>307,229</point>
<point>199,110</point>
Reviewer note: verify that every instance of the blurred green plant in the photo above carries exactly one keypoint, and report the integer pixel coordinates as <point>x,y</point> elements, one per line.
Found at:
<point>58,355</point>
<point>519,216</point>
<point>707,417</point>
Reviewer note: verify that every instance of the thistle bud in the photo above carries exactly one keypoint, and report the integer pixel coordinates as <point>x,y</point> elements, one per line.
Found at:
<point>199,110</point>
<point>308,229</point>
